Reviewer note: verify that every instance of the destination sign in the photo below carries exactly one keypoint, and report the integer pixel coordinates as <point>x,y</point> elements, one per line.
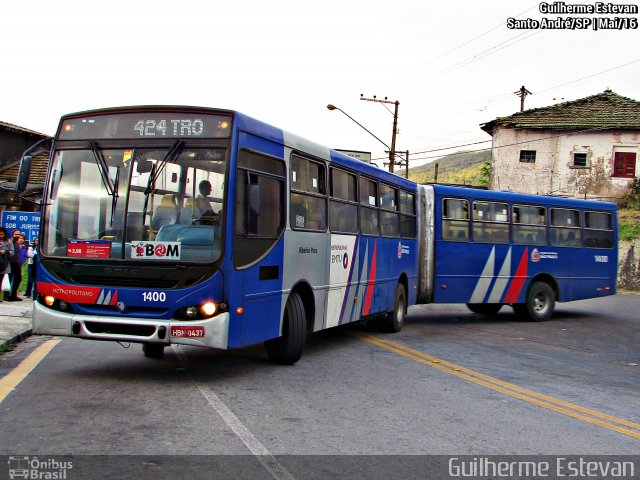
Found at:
<point>146,125</point>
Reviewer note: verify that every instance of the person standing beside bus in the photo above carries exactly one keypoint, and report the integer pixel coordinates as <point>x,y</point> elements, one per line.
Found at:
<point>6,252</point>
<point>32,253</point>
<point>19,257</point>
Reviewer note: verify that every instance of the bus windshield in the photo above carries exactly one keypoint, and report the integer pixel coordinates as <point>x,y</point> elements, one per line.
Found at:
<point>123,203</point>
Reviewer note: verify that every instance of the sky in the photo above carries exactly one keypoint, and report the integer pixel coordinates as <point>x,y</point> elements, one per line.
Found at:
<point>452,65</point>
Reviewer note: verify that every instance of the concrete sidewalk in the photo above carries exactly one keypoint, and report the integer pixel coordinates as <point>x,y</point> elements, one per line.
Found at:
<point>15,321</point>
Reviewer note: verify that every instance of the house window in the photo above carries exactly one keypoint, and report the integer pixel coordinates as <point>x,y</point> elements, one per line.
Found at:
<point>580,159</point>
<point>624,164</point>
<point>528,156</point>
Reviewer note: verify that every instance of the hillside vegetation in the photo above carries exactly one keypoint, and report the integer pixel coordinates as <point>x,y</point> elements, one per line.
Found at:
<point>463,168</point>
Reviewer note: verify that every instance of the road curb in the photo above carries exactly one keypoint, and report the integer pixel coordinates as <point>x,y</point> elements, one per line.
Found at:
<point>20,337</point>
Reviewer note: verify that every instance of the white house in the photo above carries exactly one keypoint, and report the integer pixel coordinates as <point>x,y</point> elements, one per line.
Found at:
<point>584,148</point>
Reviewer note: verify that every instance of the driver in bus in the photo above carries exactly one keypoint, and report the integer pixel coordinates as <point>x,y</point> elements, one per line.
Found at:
<point>203,211</point>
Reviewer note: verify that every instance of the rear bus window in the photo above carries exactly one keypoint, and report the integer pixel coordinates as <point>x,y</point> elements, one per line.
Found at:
<point>598,230</point>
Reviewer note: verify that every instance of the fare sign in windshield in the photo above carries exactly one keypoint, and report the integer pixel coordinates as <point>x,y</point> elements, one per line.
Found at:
<point>146,125</point>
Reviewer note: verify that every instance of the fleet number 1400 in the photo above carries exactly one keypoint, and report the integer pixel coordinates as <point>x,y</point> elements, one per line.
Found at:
<point>154,296</point>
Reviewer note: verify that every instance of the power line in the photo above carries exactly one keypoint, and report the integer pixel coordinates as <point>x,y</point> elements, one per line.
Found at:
<point>592,75</point>
<point>485,53</point>
<point>465,43</point>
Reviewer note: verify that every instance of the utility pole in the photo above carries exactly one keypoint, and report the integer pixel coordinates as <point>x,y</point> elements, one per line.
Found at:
<point>392,151</point>
<point>522,93</point>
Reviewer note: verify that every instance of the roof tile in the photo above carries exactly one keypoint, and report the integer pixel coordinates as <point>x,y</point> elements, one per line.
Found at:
<point>605,110</point>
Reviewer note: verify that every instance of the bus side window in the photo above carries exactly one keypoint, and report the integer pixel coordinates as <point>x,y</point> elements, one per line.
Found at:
<point>343,207</point>
<point>369,207</point>
<point>455,220</point>
<point>308,205</point>
<point>565,227</point>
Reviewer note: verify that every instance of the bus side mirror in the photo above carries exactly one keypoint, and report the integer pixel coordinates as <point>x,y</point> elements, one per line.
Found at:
<point>40,146</point>
<point>23,173</point>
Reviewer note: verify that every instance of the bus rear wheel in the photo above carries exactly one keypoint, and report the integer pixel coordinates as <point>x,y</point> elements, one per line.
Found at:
<point>153,350</point>
<point>287,349</point>
<point>539,305</point>
<point>394,320</point>
<point>485,308</point>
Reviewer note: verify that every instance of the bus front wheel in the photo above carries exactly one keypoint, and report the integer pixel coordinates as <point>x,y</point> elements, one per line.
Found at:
<point>539,305</point>
<point>287,349</point>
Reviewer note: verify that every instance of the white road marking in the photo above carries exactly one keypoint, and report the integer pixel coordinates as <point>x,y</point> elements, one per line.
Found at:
<point>268,461</point>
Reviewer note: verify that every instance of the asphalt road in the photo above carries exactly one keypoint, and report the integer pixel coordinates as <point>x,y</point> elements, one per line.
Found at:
<point>451,383</point>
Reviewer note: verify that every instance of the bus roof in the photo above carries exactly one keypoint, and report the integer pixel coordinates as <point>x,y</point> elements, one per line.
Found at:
<point>514,197</point>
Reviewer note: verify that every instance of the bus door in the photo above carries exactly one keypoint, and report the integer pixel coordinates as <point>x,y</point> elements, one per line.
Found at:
<point>258,240</point>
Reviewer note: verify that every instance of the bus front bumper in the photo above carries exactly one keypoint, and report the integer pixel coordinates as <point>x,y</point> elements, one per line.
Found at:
<point>212,332</point>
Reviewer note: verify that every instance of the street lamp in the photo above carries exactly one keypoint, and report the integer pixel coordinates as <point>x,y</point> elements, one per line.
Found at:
<point>333,107</point>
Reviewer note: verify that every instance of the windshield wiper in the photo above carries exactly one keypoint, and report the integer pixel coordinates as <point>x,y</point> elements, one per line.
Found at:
<point>112,189</point>
<point>157,169</point>
<point>110,185</point>
<point>114,198</point>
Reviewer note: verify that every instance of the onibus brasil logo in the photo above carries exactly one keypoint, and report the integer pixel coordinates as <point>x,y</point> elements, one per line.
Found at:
<point>38,469</point>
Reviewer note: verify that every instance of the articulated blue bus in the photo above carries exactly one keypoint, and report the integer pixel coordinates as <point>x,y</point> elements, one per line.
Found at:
<point>489,248</point>
<point>205,227</point>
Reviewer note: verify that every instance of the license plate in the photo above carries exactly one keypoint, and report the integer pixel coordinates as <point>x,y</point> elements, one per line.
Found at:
<point>187,332</point>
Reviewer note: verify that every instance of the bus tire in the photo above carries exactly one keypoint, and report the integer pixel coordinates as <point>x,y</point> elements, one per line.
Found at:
<point>153,350</point>
<point>485,308</point>
<point>287,349</point>
<point>539,304</point>
<point>394,321</point>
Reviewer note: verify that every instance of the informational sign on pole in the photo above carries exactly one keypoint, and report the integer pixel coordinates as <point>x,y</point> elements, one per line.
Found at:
<point>27,222</point>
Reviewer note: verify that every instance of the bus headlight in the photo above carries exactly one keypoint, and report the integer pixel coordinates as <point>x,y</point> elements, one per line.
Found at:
<point>208,309</point>
<point>205,310</point>
<point>54,303</point>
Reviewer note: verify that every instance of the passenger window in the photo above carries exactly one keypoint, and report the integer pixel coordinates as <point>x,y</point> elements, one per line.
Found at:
<point>389,226</point>
<point>308,195</point>
<point>565,228</point>
<point>529,225</point>
<point>343,209</point>
<point>407,214</point>
<point>368,207</point>
<point>455,220</point>
<point>490,222</point>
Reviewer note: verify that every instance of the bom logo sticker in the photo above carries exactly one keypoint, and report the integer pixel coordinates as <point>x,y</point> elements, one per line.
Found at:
<point>155,250</point>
